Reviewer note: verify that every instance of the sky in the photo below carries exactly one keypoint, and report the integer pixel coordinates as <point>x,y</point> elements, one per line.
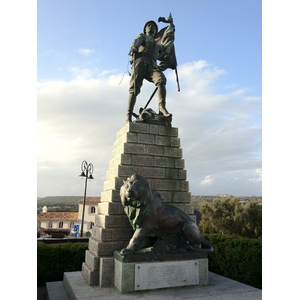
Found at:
<point>82,90</point>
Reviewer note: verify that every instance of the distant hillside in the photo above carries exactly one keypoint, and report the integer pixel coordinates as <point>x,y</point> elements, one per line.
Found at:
<point>59,201</point>
<point>73,200</point>
<point>199,199</point>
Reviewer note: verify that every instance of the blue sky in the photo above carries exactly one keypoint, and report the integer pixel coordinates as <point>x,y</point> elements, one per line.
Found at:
<point>226,34</point>
<point>82,64</point>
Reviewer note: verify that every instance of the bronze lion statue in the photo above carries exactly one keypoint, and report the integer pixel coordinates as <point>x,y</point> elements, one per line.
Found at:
<point>152,219</point>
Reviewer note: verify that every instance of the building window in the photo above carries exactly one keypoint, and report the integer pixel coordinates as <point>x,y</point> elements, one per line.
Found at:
<point>92,209</point>
<point>72,225</point>
<point>61,224</point>
<point>90,225</point>
<point>50,224</point>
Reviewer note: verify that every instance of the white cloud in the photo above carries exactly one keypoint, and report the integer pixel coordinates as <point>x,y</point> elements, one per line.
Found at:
<point>207,180</point>
<point>85,51</point>
<point>78,120</point>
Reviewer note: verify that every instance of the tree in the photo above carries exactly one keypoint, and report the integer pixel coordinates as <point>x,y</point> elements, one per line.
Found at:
<point>231,216</point>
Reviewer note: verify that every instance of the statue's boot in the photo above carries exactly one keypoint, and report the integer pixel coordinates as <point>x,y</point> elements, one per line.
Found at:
<point>162,101</point>
<point>131,103</point>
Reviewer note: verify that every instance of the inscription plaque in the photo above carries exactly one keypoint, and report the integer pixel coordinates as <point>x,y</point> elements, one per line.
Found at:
<point>166,274</point>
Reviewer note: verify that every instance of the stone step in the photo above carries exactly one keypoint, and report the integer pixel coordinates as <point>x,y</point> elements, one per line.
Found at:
<point>56,291</point>
<point>218,288</point>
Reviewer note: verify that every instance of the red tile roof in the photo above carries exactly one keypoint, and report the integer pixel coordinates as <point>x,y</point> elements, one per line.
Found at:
<point>90,200</point>
<point>58,216</point>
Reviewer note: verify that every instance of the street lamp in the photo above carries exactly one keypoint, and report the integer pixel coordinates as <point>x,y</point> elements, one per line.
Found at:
<point>86,171</point>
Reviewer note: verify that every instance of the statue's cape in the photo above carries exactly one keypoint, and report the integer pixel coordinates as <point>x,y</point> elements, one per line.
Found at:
<point>167,57</point>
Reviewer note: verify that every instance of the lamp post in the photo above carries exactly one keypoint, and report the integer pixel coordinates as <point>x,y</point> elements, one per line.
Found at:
<point>86,171</point>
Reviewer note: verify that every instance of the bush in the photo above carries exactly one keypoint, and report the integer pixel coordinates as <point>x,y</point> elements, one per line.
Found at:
<point>237,258</point>
<point>54,260</point>
<point>231,216</point>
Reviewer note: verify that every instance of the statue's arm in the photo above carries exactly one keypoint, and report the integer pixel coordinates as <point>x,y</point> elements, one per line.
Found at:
<point>137,42</point>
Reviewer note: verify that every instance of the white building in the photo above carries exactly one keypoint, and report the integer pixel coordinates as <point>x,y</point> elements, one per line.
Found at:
<point>67,220</point>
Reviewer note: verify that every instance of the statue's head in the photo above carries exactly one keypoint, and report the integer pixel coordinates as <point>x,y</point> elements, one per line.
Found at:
<point>151,27</point>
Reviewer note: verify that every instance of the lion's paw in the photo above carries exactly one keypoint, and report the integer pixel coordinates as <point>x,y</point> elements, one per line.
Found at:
<point>125,251</point>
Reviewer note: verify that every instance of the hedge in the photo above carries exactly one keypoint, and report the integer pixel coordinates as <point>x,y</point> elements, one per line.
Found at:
<point>54,260</point>
<point>234,257</point>
<point>237,258</point>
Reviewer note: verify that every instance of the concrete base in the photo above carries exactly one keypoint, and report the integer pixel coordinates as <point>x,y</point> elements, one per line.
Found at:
<point>125,275</point>
<point>218,288</point>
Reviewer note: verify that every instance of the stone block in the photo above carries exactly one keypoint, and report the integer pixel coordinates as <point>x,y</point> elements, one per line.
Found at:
<point>145,138</point>
<point>142,160</point>
<point>175,142</point>
<point>179,163</point>
<point>111,221</point>
<point>106,273</point>
<point>92,260</point>
<point>172,152</point>
<point>169,131</point>
<point>124,159</point>
<point>110,195</point>
<point>124,276</point>
<point>181,197</point>
<point>166,185</point>
<point>162,140</point>
<point>105,248</point>
<point>126,171</point>
<point>113,183</point>
<point>112,234</point>
<point>112,172</point>
<point>152,172</point>
<point>139,127</point>
<point>92,277</point>
<point>176,174</point>
<point>131,137</point>
<point>154,150</point>
<point>110,208</point>
<point>134,149</point>
<point>203,271</point>
<point>166,162</point>
<point>123,234</point>
<point>189,208</point>
<point>103,234</point>
<point>118,151</point>
<point>153,129</point>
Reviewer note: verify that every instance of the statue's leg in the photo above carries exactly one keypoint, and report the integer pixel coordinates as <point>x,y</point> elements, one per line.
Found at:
<point>160,81</point>
<point>191,233</point>
<point>162,100</point>
<point>136,82</point>
<point>139,235</point>
<point>130,106</point>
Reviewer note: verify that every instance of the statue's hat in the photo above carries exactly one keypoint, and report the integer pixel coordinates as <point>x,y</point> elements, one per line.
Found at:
<point>155,25</point>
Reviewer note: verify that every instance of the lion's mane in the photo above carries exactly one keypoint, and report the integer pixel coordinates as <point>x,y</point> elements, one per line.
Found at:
<point>139,199</point>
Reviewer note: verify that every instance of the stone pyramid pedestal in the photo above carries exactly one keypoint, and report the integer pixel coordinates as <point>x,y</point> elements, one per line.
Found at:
<point>154,152</point>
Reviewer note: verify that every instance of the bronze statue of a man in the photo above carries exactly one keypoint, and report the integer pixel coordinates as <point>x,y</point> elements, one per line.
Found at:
<point>145,51</point>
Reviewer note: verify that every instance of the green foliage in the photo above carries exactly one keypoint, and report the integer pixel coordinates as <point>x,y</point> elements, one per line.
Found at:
<point>231,216</point>
<point>54,260</point>
<point>59,203</point>
<point>59,200</point>
<point>237,258</point>
<point>244,199</point>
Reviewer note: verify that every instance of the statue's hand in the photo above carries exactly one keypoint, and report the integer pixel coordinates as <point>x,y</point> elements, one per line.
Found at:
<point>133,50</point>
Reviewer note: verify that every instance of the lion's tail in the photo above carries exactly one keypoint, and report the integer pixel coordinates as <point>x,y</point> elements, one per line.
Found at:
<point>208,248</point>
